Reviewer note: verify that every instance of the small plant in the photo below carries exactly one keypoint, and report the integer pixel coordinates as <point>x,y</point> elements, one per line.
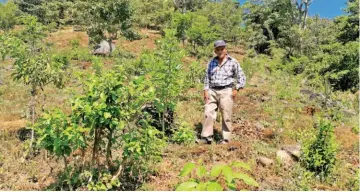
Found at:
<point>184,134</point>
<point>319,155</point>
<point>105,182</point>
<point>204,181</point>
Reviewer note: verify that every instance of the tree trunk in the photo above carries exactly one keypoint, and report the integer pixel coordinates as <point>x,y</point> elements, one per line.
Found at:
<point>32,111</point>
<point>95,147</point>
<point>108,148</point>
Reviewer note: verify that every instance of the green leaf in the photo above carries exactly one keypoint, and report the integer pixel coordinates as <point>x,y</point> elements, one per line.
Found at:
<point>216,170</point>
<point>227,172</point>
<point>201,187</point>
<point>187,186</point>
<point>247,179</point>
<point>187,169</point>
<point>214,186</point>
<point>242,165</point>
<point>107,115</point>
<point>200,171</point>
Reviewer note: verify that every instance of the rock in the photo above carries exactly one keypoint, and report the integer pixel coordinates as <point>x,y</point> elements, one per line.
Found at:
<point>306,92</point>
<point>265,98</point>
<point>104,48</point>
<point>293,150</point>
<point>284,157</point>
<point>317,96</point>
<point>349,112</point>
<point>265,161</point>
<point>259,126</point>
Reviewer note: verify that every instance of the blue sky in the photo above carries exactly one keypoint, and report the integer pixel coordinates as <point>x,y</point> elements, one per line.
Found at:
<point>325,8</point>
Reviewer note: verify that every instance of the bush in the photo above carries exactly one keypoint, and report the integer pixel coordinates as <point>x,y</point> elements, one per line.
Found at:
<point>318,155</point>
<point>219,174</point>
<point>184,134</point>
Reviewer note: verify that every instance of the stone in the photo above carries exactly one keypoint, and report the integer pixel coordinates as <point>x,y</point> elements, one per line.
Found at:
<point>259,126</point>
<point>104,48</point>
<point>284,157</point>
<point>293,150</point>
<point>264,161</point>
<point>265,98</point>
<point>317,96</point>
<point>349,112</point>
<point>306,92</point>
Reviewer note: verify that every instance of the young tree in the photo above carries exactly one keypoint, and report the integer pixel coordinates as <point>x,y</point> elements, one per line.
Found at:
<point>165,69</point>
<point>33,66</point>
<point>106,18</point>
<point>8,15</point>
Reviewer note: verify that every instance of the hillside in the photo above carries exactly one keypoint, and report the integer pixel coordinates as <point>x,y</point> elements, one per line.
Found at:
<point>109,95</point>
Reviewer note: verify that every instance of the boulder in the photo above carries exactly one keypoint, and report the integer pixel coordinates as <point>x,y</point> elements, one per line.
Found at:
<point>293,150</point>
<point>284,157</point>
<point>103,48</point>
<point>265,161</point>
<point>265,98</point>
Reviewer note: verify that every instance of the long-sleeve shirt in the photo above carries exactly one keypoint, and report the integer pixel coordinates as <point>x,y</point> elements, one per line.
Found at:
<point>224,75</point>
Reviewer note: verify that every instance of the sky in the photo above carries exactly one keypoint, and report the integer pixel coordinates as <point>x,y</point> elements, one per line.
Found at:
<point>325,8</point>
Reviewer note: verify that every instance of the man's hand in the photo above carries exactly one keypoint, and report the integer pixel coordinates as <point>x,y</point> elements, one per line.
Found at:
<point>234,92</point>
<point>206,96</point>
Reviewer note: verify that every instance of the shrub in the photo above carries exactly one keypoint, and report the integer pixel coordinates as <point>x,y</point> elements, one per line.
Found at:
<point>184,134</point>
<point>203,180</point>
<point>318,155</point>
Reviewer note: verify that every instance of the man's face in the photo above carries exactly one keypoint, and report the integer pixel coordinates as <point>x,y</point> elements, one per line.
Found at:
<point>220,52</point>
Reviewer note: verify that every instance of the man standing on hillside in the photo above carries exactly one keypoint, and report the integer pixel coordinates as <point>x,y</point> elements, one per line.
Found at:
<point>224,78</point>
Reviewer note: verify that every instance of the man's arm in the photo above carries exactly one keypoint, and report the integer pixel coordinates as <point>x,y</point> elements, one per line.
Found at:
<point>240,77</point>
<point>206,84</point>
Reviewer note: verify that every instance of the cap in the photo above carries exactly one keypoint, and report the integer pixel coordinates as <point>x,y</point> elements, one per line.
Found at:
<point>219,43</point>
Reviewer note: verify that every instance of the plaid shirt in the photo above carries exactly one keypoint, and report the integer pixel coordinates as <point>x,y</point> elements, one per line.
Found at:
<point>224,75</point>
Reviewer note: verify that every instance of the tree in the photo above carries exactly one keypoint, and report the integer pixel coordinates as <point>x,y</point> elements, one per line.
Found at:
<point>349,24</point>
<point>106,18</point>
<point>155,14</point>
<point>33,66</point>
<point>165,68</point>
<point>8,15</point>
<point>60,12</point>
<point>303,10</point>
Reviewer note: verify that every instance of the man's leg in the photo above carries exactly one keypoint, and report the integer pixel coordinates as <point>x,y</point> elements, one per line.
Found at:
<point>226,105</point>
<point>210,115</point>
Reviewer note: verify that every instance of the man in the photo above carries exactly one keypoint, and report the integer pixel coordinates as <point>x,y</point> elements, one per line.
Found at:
<point>224,78</point>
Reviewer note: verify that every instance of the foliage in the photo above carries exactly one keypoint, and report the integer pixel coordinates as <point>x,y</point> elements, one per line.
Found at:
<point>8,15</point>
<point>105,182</point>
<point>104,19</point>
<point>195,74</point>
<point>58,135</point>
<point>142,149</point>
<point>111,101</point>
<point>203,180</point>
<point>165,69</point>
<point>318,155</point>
<point>152,13</point>
<point>184,134</point>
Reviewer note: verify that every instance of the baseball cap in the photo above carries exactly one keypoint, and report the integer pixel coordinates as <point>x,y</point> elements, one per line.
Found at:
<point>219,43</point>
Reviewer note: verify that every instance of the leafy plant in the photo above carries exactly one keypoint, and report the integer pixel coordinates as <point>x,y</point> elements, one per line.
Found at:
<point>319,154</point>
<point>205,181</point>
<point>183,135</point>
